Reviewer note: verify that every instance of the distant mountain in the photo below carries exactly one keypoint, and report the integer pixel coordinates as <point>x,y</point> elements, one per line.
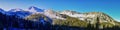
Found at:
<point>15,10</point>
<point>56,20</point>
<point>2,11</point>
<point>18,12</point>
<point>23,13</point>
<point>13,22</point>
<point>35,9</point>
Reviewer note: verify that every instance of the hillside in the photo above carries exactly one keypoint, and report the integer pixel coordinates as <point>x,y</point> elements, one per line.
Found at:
<point>39,19</point>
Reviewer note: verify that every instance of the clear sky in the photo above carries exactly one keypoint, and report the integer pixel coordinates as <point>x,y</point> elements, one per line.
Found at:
<point>110,7</point>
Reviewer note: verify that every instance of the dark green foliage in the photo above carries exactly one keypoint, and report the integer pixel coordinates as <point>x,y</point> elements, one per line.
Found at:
<point>71,22</point>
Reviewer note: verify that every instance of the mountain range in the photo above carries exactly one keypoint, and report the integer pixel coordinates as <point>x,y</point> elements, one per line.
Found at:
<point>37,17</point>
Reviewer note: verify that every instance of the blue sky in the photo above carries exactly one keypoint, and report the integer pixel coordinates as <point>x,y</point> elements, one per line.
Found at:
<point>110,7</point>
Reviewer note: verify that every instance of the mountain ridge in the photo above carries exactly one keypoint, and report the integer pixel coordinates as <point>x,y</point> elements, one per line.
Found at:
<point>66,12</point>
<point>67,17</point>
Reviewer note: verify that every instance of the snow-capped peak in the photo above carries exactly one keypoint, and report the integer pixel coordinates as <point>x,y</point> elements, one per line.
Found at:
<point>1,9</point>
<point>15,10</point>
<point>35,9</point>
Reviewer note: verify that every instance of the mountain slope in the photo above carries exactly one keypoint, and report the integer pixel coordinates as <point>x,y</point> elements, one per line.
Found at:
<point>20,14</point>
<point>52,14</point>
<point>95,19</point>
<point>39,18</point>
<point>12,22</point>
<point>14,10</point>
<point>90,17</point>
<point>36,18</point>
<point>23,13</point>
<point>2,11</point>
<point>35,9</point>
